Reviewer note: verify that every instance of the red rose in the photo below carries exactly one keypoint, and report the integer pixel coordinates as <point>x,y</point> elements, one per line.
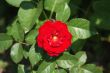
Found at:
<point>54,37</point>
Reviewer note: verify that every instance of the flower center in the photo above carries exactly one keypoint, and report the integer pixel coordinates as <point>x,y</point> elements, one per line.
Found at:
<point>55,38</point>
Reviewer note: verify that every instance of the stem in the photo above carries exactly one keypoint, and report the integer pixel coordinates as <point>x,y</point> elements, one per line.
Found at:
<point>53,9</point>
<point>43,11</point>
<point>45,14</point>
<point>24,43</point>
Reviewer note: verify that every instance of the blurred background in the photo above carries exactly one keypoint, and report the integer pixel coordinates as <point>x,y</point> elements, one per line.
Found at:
<point>97,47</point>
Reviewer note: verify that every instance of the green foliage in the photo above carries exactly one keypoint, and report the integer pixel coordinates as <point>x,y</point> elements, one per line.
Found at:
<point>81,68</point>
<point>80,29</point>
<point>16,52</point>
<point>33,56</point>
<point>89,68</point>
<point>27,14</point>
<point>16,31</point>
<point>54,5</point>
<point>46,67</point>
<point>81,57</point>
<point>30,38</point>
<point>58,7</point>
<point>92,68</point>
<point>25,54</point>
<point>21,69</point>
<point>5,42</point>
<point>59,71</point>
<point>66,60</point>
<point>64,13</point>
<point>16,3</point>
<point>78,45</point>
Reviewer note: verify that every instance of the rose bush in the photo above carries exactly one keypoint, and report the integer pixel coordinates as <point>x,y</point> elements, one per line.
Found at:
<point>54,37</point>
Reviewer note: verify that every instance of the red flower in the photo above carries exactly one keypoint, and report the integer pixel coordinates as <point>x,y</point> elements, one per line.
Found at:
<point>54,37</point>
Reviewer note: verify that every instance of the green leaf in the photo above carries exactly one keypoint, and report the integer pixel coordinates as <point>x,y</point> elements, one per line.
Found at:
<point>54,5</point>
<point>39,24</point>
<point>81,57</point>
<point>89,68</point>
<point>21,68</point>
<point>80,29</point>
<point>93,68</point>
<point>79,70</point>
<point>9,30</point>
<point>16,52</point>
<point>64,13</point>
<point>75,70</point>
<point>5,42</point>
<point>34,72</point>
<point>39,8</point>
<point>34,57</point>
<point>31,37</point>
<point>66,60</point>
<point>78,45</point>
<point>59,71</point>
<point>16,31</point>
<point>15,3</point>
<point>46,67</point>
<point>25,54</point>
<point>27,14</point>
